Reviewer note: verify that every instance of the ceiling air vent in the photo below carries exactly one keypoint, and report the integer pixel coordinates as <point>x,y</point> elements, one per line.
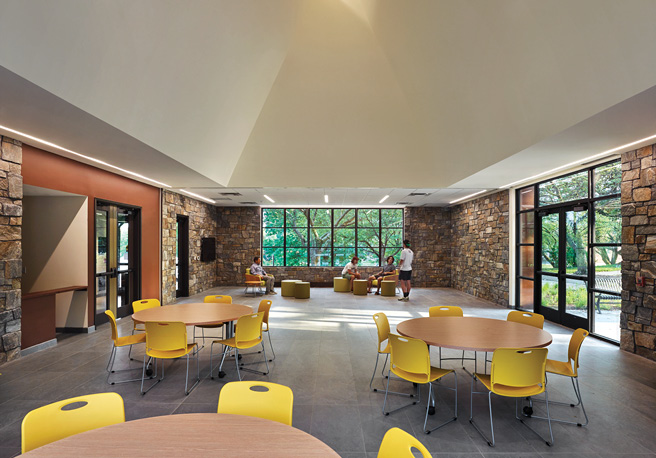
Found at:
<point>222,198</point>
<point>248,203</point>
<point>414,194</point>
<point>230,194</point>
<point>403,203</point>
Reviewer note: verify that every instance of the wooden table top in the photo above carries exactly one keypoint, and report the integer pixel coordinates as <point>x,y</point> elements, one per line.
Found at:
<point>194,314</point>
<point>472,333</point>
<point>198,434</point>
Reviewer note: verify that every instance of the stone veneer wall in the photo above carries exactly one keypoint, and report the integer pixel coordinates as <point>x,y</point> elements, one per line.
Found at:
<point>202,223</point>
<point>11,216</point>
<point>237,242</point>
<point>429,232</point>
<point>638,316</point>
<point>480,247</point>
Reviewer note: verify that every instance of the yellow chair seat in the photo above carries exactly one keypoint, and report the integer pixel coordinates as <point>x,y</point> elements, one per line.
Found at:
<point>170,354</point>
<point>435,373</point>
<point>242,344</point>
<point>130,340</point>
<point>560,368</point>
<point>507,390</point>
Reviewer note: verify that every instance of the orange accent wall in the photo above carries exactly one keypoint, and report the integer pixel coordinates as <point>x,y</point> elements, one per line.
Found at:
<point>47,170</point>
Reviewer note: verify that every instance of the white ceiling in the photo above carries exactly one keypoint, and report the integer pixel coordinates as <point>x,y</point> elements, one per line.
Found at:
<point>289,97</point>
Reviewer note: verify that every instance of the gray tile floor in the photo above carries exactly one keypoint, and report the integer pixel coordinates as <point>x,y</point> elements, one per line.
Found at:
<point>325,351</point>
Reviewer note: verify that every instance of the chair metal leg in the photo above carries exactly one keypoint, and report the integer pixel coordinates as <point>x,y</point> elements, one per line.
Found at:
<point>143,375</point>
<point>225,352</point>
<point>187,391</point>
<point>271,345</point>
<point>577,392</point>
<point>471,413</point>
<point>237,363</point>
<point>431,397</point>
<point>526,424</point>
<point>375,390</point>
<point>110,369</point>
<point>387,391</point>
<point>257,362</point>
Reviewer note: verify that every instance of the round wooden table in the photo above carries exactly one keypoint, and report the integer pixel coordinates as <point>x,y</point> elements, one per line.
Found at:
<point>195,314</point>
<point>198,434</point>
<point>471,333</point>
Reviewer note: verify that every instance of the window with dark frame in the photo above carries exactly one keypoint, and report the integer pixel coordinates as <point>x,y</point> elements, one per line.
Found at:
<point>326,237</point>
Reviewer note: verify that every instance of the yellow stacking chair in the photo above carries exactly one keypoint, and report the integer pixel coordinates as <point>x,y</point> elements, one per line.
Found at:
<point>217,299</point>
<point>265,306</point>
<point>120,342</point>
<point>399,444</point>
<point>451,310</point>
<point>515,373</point>
<point>569,368</point>
<point>138,306</point>
<point>383,327</point>
<point>51,422</point>
<point>270,401</point>
<point>168,340</point>
<point>410,360</point>
<point>248,334</point>
<point>519,316</point>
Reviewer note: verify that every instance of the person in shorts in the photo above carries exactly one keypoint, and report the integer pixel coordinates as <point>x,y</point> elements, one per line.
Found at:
<point>350,271</point>
<point>405,268</point>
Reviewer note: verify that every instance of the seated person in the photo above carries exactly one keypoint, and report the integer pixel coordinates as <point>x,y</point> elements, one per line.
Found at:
<point>350,271</point>
<point>256,269</point>
<point>388,270</point>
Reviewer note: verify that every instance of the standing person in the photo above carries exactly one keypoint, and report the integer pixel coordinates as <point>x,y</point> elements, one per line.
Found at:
<point>256,269</point>
<point>350,271</point>
<point>388,269</point>
<point>405,266</point>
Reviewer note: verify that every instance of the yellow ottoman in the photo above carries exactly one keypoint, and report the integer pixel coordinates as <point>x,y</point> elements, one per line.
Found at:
<point>360,287</point>
<point>302,290</point>
<point>341,285</point>
<point>287,287</point>
<point>388,288</point>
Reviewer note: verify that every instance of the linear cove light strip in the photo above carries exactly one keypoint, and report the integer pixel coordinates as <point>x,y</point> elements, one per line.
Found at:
<point>467,197</point>
<point>197,196</point>
<point>88,158</point>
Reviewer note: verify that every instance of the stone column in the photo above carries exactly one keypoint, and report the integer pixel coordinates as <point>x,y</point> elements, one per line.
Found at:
<point>11,211</point>
<point>638,316</point>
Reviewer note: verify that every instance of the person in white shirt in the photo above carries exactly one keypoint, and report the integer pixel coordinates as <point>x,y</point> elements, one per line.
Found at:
<point>405,268</point>
<point>350,271</point>
<point>256,269</point>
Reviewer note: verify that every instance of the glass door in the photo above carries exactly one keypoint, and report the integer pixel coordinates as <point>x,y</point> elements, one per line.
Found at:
<point>117,237</point>
<point>563,268</point>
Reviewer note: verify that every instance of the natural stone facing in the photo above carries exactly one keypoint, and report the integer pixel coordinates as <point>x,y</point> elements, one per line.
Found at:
<point>638,314</point>
<point>430,235</point>
<point>202,223</point>
<point>11,211</point>
<point>237,242</point>
<point>480,247</point>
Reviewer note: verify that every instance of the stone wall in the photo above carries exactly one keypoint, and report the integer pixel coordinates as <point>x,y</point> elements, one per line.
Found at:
<point>11,215</point>
<point>237,242</point>
<point>202,223</point>
<point>480,247</point>
<point>638,316</point>
<point>429,232</point>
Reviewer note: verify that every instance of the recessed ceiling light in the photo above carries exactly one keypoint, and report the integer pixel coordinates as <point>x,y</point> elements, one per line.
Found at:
<point>383,199</point>
<point>88,158</point>
<point>269,199</point>
<point>467,197</point>
<point>325,198</point>
<point>197,196</point>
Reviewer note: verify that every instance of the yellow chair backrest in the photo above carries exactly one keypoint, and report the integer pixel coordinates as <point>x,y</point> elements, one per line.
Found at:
<point>445,310</point>
<point>166,336</point>
<point>257,399</point>
<point>53,422</point>
<point>574,348</point>
<point>411,356</point>
<point>532,319</point>
<point>265,306</point>
<point>138,306</point>
<point>112,323</point>
<point>518,367</point>
<point>383,327</point>
<point>399,444</point>
<point>249,329</point>
<point>218,299</point>
<point>248,270</point>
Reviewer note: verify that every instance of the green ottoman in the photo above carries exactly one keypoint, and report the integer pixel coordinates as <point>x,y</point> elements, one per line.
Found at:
<point>287,287</point>
<point>388,288</point>
<point>341,285</point>
<point>302,290</point>
<point>360,287</point>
